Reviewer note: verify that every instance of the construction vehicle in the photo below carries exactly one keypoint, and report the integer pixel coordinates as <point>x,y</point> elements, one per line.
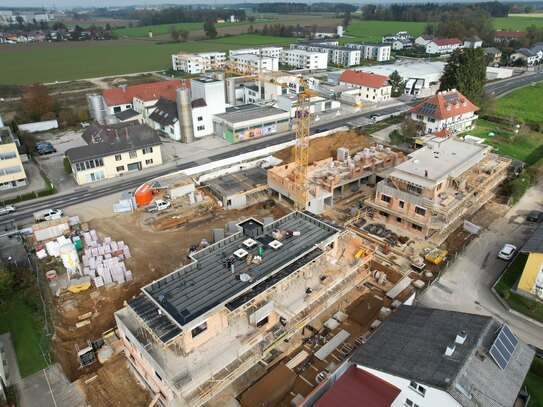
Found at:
<point>435,255</point>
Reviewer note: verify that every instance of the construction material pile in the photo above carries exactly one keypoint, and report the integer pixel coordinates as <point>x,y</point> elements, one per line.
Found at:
<point>104,262</point>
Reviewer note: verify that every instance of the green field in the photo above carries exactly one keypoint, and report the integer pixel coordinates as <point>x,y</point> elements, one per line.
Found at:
<point>374,30</point>
<point>522,104</point>
<point>162,29</point>
<point>517,23</point>
<point>17,318</point>
<point>251,39</point>
<point>534,385</point>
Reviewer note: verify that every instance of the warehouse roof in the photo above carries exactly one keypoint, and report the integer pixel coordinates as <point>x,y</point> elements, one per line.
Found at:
<point>244,113</point>
<point>187,294</point>
<point>105,140</point>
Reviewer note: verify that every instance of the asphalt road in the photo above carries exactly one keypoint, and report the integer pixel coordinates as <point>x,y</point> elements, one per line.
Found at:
<point>465,286</point>
<point>498,88</point>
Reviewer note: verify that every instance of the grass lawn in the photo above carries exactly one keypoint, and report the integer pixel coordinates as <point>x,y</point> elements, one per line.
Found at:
<point>374,30</point>
<point>530,308</point>
<point>521,104</point>
<point>517,23</point>
<point>17,318</point>
<point>527,147</point>
<point>251,39</point>
<point>534,383</point>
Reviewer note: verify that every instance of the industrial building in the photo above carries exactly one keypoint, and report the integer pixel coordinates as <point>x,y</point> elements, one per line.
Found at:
<point>329,178</point>
<point>379,52</point>
<point>317,104</point>
<point>447,110</point>
<point>250,121</point>
<point>337,55</point>
<point>302,59</point>
<point>249,63</point>
<point>272,52</point>
<point>234,190</point>
<point>421,78</point>
<point>241,301</point>
<point>373,88</point>
<point>12,172</point>
<point>441,184</point>
<point>198,63</point>
<point>113,150</point>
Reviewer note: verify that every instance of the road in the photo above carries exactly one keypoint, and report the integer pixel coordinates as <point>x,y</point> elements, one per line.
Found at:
<point>94,191</point>
<point>506,85</point>
<point>465,286</point>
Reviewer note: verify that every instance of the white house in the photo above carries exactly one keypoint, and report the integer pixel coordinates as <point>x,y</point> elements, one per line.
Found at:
<point>373,88</point>
<point>422,40</point>
<point>374,51</point>
<point>448,110</point>
<point>443,45</point>
<point>249,63</point>
<point>198,63</point>
<point>402,35</point>
<point>473,42</point>
<point>274,52</point>
<point>398,45</point>
<point>337,55</point>
<point>302,59</point>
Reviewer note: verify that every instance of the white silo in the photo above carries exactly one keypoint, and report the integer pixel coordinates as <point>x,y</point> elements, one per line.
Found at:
<point>70,259</point>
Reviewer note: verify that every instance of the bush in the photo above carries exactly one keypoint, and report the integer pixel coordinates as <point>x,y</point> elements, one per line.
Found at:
<point>46,192</point>
<point>396,137</point>
<point>520,185</point>
<point>537,367</point>
<point>32,299</point>
<point>67,165</point>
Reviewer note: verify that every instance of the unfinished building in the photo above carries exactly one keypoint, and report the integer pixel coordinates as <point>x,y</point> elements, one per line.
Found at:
<point>329,176</point>
<point>192,333</point>
<point>441,184</point>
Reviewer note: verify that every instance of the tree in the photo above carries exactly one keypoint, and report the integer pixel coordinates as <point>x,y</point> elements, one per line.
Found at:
<point>37,104</point>
<point>175,33</point>
<point>410,129</point>
<point>209,29</point>
<point>250,29</point>
<point>397,83</point>
<point>346,20</point>
<point>466,71</point>
<point>6,280</point>
<point>185,34</point>
<point>59,26</point>
<point>108,27</point>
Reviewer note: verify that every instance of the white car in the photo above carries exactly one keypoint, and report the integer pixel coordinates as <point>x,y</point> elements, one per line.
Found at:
<point>4,210</point>
<point>507,252</point>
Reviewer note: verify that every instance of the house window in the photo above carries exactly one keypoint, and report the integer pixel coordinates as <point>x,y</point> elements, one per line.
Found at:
<point>148,162</point>
<point>410,403</point>
<point>157,375</point>
<point>418,388</point>
<point>385,198</point>
<point>383,214</point>
<point>133,154</point>
<point>420,117</point>
<point>262,322</point>
<point>199,329</point>
<point>416,227</point>
<point>118,157</point>
<point>146,150</point>
<point>399,220</point>
<point>420,211</point>
<point>401,204</point>
<point>414,190</point>
<point>120,168</point>
<point>200,128</point>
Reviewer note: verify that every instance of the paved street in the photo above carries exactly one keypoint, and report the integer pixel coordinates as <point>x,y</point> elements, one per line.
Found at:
<point>465,286</point>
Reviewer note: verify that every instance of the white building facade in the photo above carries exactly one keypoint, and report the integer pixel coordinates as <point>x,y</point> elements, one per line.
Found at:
<point>373,51</point>
<point>302,59</point>
<point>198,63</point>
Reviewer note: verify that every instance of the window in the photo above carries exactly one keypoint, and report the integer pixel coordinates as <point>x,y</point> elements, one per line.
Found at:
<point>262,322</point>
<point>385,198</point>
<point>148,162</point>
<point>157,375</point>
<point>146,150</point>
<point>418,388</point>
<point>200,128</point>
<point>118,157</point>
<point>199,329</point>
<point>416,227</point>
<point>420,211</point>
<point>414,190</point>
<point>401,204</point>
<point>410,403</point>
<point>120,168</point>
<point>383,214</point>
<point>8,155</point>
<point>399,220</point>
<point>133,154</point>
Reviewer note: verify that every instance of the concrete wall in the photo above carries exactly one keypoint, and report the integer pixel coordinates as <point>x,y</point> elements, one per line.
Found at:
<point>215,325</point>
<point>39,126</point>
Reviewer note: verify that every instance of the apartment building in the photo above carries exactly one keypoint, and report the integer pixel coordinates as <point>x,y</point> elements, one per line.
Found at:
<point>443,45</point>
<point>302,59</point>
<point>12,172</point>
<point>195,331</point>
<point>198,63</point>
<point>272,52</point>
<point>250,63</point>
<point>113,150</point>
<point>379,52</point>
<point>373,88</point>
<point>337,55</point>
<point>438,187</point>
<point>446,110</point>
<point>401,35</point>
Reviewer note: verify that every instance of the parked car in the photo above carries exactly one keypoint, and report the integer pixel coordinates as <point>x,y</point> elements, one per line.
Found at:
<point>47,150</point>
<point>375,116</point>
<point>535,216</point>
<point>4,210</point>
<point>507,252</point>
<point>47,214</point>
<point>158,205</point>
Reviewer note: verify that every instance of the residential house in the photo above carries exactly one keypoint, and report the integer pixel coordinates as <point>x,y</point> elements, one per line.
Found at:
<point>318,32</point>
<point>374,88</point>
<point>302,59</point>
<point>249,63</point>
<point>402,35</point>
<point>524,54</point>
<point>473,42</point>
<point>445,358</point>
<point>113,150</point>
<point>379,52</point>
<point>506,35</point>
<point>272,52</point>
<point>198,63</point>
<point>445,110</point>
<point>399,44</point>
<point>440,185</point>
<point>443,45</point>
<point>531,281</point>
<point>189,338</point>
<point>422,40</point>
<point>494,54</point>
<point>12,172</point>
<point>337,55</point>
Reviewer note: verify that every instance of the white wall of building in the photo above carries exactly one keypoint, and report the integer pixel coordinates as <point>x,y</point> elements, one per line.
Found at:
<point>212,92</point>
<point>433,48</point>
<point>302,59</point>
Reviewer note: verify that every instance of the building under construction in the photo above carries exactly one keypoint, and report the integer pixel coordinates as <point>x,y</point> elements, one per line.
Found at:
<point>329,176</point>
<point>443,183</point>
<point>240,302</point>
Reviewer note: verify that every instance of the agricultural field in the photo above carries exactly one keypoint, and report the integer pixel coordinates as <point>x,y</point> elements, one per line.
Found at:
<point>374,30</point>
<point>164,29</point>
<point>520,104</point>
<point>518,23</point>
<point>251,39</point>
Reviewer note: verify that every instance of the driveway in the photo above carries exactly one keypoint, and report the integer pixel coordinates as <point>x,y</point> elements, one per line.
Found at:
<point>465,286</point>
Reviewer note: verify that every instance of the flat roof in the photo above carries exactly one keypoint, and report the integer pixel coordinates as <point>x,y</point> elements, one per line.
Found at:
<point>247,114</point>
<point>195,289</point>
<point>239,182</point>
<point>205,80</point>
<point>408,70</point>
<point>534,244</point>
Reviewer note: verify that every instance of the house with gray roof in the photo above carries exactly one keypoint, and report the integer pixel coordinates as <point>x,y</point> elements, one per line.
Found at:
<point>113,150</point>
<point>446,358</point>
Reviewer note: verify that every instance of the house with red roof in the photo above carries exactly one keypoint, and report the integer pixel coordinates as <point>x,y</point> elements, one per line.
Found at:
<point>443,45</point>
<point>446,110</point>
<point>506,35</point>
<point>372,87</point>
<point>140,98</point>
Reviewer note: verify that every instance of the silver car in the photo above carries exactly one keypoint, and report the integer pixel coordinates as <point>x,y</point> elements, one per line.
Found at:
<point>4,210</point>
<point>507,252</point>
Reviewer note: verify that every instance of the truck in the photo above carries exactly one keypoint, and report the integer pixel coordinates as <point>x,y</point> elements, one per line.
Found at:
<point>47,214</point>
<point>158,205</point>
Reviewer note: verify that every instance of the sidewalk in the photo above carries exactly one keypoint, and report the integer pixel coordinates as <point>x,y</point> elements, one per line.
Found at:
<point>34,179</point>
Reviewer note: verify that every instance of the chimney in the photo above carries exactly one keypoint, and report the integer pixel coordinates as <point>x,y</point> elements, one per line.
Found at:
<point>450,349</point>
<point>461,337</point>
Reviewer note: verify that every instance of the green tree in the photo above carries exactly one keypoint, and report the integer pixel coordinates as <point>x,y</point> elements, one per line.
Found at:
<point>184,35</point>
<point>466,71</point>
<point>108,27</point>
<point>410,129</point>
<point>209,29</point>
<point>346,20</point>
<point>175,33</point>
<point>397,83</point>
<point>6,280</point>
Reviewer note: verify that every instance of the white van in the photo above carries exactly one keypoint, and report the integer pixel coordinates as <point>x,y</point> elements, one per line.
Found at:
<point>47,214</point>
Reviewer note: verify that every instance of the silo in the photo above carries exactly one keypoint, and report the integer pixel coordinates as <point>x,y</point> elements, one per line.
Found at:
<point>231,91</point>
<point>184,113</point>
<point>70,259</point>
<point>221,76</point>
<point>96,107</point>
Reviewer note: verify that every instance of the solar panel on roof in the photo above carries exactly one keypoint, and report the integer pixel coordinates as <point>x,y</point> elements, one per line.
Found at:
<point>451,97</point>
<point>503,347</point>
